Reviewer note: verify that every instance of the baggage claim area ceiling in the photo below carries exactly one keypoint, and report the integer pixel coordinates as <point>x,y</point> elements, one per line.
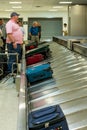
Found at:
<point>38,5</point>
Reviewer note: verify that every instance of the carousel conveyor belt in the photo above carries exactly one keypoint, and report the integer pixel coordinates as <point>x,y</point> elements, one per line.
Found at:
<point>67,87</point>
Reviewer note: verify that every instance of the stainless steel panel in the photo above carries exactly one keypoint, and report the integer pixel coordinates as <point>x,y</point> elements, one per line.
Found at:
<point>79,120</point>
<point>43,93</point>
<point>80,48</point>
<point>60,97</point>
<point>42,86</point>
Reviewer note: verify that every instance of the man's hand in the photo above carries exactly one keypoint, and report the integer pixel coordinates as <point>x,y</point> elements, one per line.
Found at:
<point>14,45</point>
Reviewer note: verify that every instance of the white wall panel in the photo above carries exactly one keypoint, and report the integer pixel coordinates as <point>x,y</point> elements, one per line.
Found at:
<point>78,20</point>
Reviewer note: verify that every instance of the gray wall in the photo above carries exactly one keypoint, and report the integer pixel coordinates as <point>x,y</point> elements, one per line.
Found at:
<point>78,20</point>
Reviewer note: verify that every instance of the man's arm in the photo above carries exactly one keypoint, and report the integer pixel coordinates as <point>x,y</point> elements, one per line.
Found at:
<point>12,39</point>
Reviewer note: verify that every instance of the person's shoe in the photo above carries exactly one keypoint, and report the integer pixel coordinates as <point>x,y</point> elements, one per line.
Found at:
<point>13,80</point>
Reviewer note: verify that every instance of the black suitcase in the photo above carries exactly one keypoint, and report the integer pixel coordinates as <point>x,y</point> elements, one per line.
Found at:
<point>31,45</point>
<point>42,49</point>
<point>49,118</point>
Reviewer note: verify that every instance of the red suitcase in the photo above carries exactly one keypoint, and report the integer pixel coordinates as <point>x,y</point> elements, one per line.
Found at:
<point>34,59</point>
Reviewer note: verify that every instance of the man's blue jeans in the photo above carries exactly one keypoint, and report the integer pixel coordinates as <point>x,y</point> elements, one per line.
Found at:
<point>13,58</point>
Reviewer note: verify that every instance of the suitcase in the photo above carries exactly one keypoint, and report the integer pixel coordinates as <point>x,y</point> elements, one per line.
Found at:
<point>49,118</point>
<point>39,72</point>
<point>34,59</point>
<point>31,45</point>
<point>42,49</point>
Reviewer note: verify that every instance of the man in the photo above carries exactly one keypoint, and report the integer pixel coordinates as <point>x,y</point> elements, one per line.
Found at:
<point>14,40</point>
<point>65,30</point>
<point>34,32</point>
<point>3,29</point>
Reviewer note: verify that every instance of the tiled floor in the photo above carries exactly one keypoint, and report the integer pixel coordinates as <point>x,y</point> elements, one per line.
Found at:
<point>8,105</point>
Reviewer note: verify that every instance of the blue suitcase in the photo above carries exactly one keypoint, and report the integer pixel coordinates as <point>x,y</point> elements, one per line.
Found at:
<point>39,72</point>
<point>49,118</point>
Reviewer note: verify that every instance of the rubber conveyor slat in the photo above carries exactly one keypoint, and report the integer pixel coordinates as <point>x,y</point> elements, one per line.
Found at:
<point>67,88</point>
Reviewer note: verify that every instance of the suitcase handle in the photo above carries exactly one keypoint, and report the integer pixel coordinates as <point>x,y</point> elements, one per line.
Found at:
<point>45,119</point>
<point>44,111</point>
<point>48,69</point>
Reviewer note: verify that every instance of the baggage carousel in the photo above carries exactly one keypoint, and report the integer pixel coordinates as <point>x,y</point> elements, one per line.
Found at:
<point>67,87</point>
<point>70,41</point>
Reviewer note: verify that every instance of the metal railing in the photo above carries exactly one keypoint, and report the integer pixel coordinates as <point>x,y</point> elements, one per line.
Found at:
<point>16,54</point>
<point>22,111</point>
